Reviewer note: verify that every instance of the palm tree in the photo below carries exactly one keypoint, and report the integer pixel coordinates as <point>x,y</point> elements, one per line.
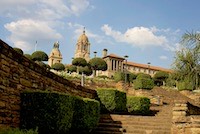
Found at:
<point>188,59</point>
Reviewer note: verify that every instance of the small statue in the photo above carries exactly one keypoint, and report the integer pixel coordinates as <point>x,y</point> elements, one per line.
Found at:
<point>56,45</point>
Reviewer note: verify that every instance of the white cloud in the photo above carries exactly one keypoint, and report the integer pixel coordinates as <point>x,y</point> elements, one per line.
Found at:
<point>78,30</point>
<point>38,19</point>
<point>163,57</point>
<point>137,36</point>
<point>142,37</point>
<point>25,32</point>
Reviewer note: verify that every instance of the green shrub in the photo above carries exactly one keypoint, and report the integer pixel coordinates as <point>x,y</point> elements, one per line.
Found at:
<point>131,77</point>
<point>86,115</point>
<point>17,131</point>
<point>19,50</point>
<point>185,85</point>
<point>111,100</point>
<point>119,76</point>
<point>143,76</point>
<point>138,105</point>
<point>51,112</point>
<point>28,56</point>
<point>143,84</point>
<point>58,66</point>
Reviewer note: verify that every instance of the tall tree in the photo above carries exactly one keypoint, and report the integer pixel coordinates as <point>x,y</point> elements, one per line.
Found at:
<point>97,64</point>
<point>187,60</point>
<point>79,62</point>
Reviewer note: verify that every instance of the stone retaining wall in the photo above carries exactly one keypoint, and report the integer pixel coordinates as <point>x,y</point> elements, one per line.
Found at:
<point>17,73</point>
<point>182,121</point>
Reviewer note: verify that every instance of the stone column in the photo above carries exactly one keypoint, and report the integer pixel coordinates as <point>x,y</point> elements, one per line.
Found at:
<point>117,65</point>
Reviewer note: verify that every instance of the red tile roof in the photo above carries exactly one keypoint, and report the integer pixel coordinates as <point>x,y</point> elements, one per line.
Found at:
<point>114,56</point>
<point>150,67</point>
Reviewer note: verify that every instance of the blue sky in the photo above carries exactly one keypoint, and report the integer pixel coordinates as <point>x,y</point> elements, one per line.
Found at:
<point>146,31</point>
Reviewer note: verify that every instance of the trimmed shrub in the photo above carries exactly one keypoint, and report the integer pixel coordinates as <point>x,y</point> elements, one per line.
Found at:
<point>19,50</point>
<point>111,100</point>
<point>39,56</point>
<point>28,56</point>
<point>119,76</point>
<point>185,85</point>
<point>58,66</point>
<point>143,84</point>
<point>143,76</point>
<point>86,115</point>
<point>51,112</point>
<point>138,105</point>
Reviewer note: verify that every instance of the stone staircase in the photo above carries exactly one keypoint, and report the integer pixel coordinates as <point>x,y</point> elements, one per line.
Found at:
<point>160,123</point>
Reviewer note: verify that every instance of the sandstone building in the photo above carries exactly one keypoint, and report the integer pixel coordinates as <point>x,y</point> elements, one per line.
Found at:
<point>55,55</point>
<point>83,47</point>
<point>115,63</point>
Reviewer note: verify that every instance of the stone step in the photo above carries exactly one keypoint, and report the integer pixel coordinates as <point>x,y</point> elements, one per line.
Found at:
<point>136,118</point>
<point>136,124</point>
<point>122,131</point>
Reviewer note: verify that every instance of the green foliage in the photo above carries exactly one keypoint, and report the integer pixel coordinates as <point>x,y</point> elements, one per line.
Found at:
<point>185,85</point>
<point>28,56</point>
<point>143,76</point>
<point>86,115</point>
<point>98,64</point>
<point>131,77</point>
<point>39,56</point>
<point>119,76</point>
<point>138,105</point>
<point>51,112</point>
<point>187,60</point>
<point>71,68</point>
<point>111,100</point>
<point>17,131</point>
<point>58,66</point>
<point>160,78</point>
<point>86,70</point>
<point>79,62</point>
<point>143,83</point>
<point>56,113</point>
<point>18,50</point>
<point>161,75</point>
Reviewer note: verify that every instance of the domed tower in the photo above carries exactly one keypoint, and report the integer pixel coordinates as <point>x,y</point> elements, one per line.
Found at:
<point>55,55</point>
<point>83,47</point>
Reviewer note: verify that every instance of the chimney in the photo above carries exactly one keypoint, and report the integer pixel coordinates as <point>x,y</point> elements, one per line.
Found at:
<point>105,52</point>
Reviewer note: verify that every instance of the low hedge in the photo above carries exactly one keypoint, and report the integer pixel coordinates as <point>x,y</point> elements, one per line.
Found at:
<point>111,100</point>
<point>138,105</point>
<point>52,113</point>
<point>56,113</point>
<point>143,84</point>
<point>86,115</point>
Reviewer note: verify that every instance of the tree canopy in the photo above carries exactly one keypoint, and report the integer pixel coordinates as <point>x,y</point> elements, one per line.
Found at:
<point>86,70</point>
<point>187,59</point>
<point>58,66</point>
<point>71,68</point>
<point>39,56</point>
<point>98,64</point>
<point>79,62</point>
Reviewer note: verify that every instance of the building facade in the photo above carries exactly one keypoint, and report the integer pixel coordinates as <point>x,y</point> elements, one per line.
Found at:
<point>115,63</point>
<point>55,55</point>
<point>83,47</point>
